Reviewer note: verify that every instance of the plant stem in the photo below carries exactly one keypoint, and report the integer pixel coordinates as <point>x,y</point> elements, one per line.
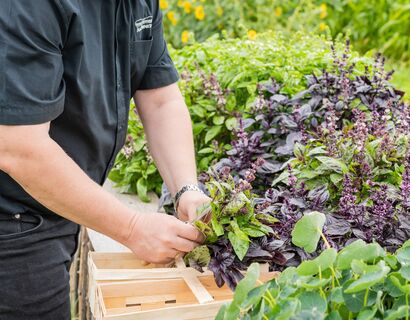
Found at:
<point>328,246</point>
<point>271,298</point>
<point>407,303</point>
<point>366,297</point>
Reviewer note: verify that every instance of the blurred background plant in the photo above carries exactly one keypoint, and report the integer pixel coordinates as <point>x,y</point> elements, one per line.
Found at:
<point>374,25</point>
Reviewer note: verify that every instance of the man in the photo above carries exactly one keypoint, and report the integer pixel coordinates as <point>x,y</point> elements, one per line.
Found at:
<point>68,69</point>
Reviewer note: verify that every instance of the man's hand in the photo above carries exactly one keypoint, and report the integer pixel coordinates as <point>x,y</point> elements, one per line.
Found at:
<point>188,204</point>
<point>159,238</point>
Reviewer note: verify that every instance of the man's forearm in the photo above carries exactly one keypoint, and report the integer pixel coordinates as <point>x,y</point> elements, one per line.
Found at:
<point>55,180</point>
<point>169,133</point>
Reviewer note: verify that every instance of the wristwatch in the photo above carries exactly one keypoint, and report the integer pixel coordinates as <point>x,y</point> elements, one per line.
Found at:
<point>185,188</point>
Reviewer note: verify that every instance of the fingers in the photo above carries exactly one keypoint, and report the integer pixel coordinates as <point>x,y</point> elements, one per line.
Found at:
<point>184,245</point>
<point>189,232</point>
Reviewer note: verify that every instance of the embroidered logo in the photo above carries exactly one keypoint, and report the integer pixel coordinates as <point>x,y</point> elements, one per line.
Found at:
<point>145,23</point>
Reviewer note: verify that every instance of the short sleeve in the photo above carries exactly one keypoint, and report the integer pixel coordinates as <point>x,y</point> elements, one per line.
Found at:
<point>160,71</point>
<point>32,89</point>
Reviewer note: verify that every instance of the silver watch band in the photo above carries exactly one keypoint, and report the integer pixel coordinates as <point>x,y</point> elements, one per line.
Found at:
<point>185,188</point>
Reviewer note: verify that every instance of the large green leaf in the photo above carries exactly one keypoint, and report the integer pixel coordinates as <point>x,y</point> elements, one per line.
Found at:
<point>239,244</point>
<point>307,231</point>
<point>212,133</point>
<point>241,292</point>
<point>321,263</point>
<point>333,164</point>
<point>312,300</point>
<point>367,280</point>
<point>358,250</point>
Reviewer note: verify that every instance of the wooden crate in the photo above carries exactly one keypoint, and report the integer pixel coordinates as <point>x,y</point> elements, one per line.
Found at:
<point>111,267</point>
<point>126,288</point>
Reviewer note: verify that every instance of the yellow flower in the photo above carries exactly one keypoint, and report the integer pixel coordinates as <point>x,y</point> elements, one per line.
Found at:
<point>187,7</point>
<point>200,13</point>
<point>163,4</point>
<point>323,11</point>
<point>252,34</point>
<point>171,17</point>
<point>278,11</point>
<point>322,26</point>
<point>185,36</point>
<point>181,3</point>
<point>219,11</point>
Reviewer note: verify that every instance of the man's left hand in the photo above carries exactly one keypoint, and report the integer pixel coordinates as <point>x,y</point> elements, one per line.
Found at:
<point>188,204</point>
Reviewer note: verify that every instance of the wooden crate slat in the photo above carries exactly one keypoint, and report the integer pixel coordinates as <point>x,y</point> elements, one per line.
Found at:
<point>188,312</point>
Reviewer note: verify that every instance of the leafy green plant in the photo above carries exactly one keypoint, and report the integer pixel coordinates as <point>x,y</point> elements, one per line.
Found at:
<point>219,82</point>
<point>361,281</point>
<point>134,170</point>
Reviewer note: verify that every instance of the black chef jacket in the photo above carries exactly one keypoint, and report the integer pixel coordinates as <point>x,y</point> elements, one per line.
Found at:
<point>76,63</point>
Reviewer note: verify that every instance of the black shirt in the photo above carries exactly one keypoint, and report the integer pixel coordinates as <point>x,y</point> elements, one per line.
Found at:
<point>77,63</point>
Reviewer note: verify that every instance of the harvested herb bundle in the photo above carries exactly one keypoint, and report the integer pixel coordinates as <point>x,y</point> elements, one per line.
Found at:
<point>237,234</point>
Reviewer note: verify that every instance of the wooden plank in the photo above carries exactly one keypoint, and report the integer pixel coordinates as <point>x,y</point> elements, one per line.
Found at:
<point>202,295</point>
<point>188,312</point>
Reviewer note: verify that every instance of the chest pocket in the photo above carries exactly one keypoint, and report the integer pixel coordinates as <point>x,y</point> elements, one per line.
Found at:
<point>139,55</point>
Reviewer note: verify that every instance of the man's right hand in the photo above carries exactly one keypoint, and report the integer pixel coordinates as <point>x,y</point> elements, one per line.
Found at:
<point>159,238</point>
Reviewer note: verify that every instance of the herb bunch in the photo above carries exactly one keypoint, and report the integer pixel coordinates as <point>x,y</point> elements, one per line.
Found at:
<point>237,233</point>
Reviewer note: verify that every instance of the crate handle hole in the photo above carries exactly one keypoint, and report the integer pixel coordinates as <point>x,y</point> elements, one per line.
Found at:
<point>170,301</point>
<point>133,304</point>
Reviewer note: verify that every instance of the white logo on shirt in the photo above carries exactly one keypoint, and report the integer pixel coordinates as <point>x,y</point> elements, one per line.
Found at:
<point>145,23</point>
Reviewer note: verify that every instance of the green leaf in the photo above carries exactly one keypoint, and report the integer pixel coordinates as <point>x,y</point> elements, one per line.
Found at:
<point>198,128</point>
<point>241,292</point>
<point>238,231</point>
<point>307,231</point>
<point>336,295</point>
<point>333,164</point>
<point>394,286</point>
<point>231,124</point>
<point>218,120</point>
<point>403,256</point>
<point>239,245</point>
<point>315,283</point>
<point>212,133</point>
<point>336,178</point>
<point>253,232</point>
<point>217,227</point>
<point>206,151</point>
<point>316,151</point>
<point>358,250</point>
<point>142,190</point>
<point>400,313</point>
<point>312,300</point>
<point>266,218</point>
<point>368,280</point>
<point>405,272</point>
<point>334,315</point>
<point>222,312</point>
<point>367,314</point>
<point>321,263</point>
<point>354,301</point>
